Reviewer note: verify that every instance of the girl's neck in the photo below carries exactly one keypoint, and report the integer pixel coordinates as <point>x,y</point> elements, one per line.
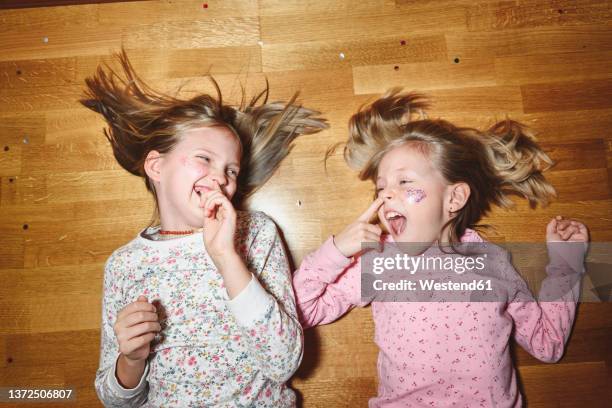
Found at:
<point>445,235</point>
<point>177,226</point>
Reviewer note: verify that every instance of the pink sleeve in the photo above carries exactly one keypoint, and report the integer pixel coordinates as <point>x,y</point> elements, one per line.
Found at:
<point>327,285</point>
<point>543,326</point>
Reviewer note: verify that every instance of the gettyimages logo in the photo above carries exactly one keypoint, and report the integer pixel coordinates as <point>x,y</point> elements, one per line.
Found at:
<point>412,264</point>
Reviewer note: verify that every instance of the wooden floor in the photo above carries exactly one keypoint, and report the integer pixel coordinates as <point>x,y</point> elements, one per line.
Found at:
<point>65,204</point>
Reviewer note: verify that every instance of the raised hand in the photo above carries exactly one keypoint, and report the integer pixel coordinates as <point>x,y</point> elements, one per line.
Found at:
<point>362,230</point>
<point>219,224</point>
<point>135,328</point>
<point>561,229</point>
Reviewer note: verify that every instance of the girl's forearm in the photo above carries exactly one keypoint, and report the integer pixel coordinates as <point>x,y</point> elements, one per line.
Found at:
<point>235,274</point>
<point>129,372</point>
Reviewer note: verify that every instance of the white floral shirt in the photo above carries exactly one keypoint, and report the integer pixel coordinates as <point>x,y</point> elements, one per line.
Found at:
<point>212,351</point>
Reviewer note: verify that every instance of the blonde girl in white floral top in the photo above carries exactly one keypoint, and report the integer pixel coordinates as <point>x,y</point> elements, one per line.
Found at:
<point>198,310</point>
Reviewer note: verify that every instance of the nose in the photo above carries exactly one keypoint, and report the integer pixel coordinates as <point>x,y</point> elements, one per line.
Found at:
<point>219,176</point>
<point>387,194</point>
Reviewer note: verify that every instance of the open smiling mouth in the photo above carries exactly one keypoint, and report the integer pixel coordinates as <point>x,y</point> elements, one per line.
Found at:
<point>396,221</point>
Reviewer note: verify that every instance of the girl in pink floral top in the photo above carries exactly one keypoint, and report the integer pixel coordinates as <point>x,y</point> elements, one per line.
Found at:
<point>198,310</point>
<point>434,182</point>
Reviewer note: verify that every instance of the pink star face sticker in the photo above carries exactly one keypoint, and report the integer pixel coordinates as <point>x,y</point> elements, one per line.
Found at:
<point>415,195</point>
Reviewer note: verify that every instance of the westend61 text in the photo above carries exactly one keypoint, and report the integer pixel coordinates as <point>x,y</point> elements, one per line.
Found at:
<point>428,284</point>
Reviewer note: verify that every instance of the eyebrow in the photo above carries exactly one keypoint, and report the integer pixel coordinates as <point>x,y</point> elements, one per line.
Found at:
<point>216,155</point>
<point>402,169</point>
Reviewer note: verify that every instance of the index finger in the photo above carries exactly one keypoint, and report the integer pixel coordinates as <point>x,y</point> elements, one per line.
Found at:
<point>369,213</point>
<point>136,307</point>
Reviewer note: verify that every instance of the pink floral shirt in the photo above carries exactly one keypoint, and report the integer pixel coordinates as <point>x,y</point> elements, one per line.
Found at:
<point>447,354</point>
<point>212,351</point>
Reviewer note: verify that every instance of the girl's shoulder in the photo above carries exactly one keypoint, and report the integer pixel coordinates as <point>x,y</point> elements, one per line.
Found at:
<point>471,235</point>
<point>252,223</point>
<point>474,242</point>
<point>129,252</point>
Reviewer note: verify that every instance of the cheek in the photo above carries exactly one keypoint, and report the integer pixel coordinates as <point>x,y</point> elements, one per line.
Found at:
<point>231,190</point>
<point>194,167</point>
<point>414,196</point>
<point>424,207</point>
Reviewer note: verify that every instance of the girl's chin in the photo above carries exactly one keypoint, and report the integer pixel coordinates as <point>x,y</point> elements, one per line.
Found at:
<point>410,239</point>
<point>412,246</point>
<point>405,237</point>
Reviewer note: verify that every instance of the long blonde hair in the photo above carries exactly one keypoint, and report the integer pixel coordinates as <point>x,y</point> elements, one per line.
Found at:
<point>141,119</point>
<point>501,161</point>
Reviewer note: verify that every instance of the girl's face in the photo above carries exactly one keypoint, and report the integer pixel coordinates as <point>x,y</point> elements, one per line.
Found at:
<point>202,158</point>
<point>414,193</point>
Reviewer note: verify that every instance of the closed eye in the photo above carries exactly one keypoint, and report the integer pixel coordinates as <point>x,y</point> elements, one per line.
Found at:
<point>205,158</point>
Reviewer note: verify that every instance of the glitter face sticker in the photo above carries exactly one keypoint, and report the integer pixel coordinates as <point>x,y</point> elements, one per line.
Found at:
<point>415,195</point>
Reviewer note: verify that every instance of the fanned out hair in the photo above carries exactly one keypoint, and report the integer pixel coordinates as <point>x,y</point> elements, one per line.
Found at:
<point>496,163</point>
<point>141,119</point>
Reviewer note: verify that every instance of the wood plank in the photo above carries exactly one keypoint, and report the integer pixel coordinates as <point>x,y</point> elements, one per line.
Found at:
<point>69,157</point>
<point>331,54</point>
<point>382,22</point>
<point>35,33</point>
<point>593,316</point>
<point>170,63</point>
<point>14,4</point>
<point>545,384</point>
<point>33,73</point>
<point>66,187</point>
<point>26,362</point>
<point>29,100</point>
<point>586,154</point>
<point>22,189</point>
<point>62,281</point>
<point>544,40</point>
<point>423,77</point>
<point>10,160</point>
<point>13,251</point>
<point>534,69</point>
<point>589,184</point>
<point>80,213</point>
<point>22,128</point>
<point>44,313</point>
<point>92,185</point>
<point>221,32</point>
<point>562,96</point>
<point>350,392</point>
<point>122,14</point>
<point>495,100</point>
<point>73,126</point>
<point>503,15</point>
<point>75,249</point>
<point>569,125</point>
<point>269,8</point>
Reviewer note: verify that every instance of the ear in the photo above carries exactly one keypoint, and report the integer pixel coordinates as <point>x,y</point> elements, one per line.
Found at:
<point>152,165</point>
<point>457,196</point>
